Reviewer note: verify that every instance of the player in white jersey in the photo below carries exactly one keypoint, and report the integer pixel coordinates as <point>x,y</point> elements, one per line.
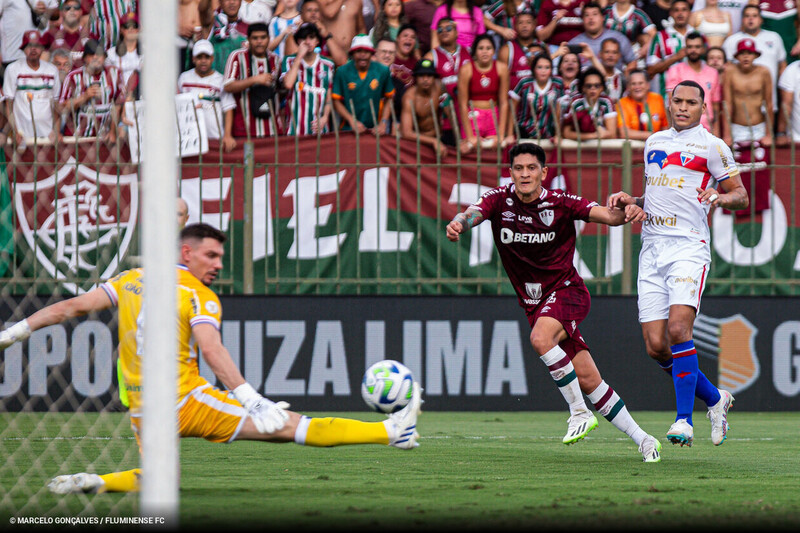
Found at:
<point>687,170</point>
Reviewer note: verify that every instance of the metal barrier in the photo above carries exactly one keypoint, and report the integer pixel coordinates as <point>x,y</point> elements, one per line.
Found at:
<point>349,213</point>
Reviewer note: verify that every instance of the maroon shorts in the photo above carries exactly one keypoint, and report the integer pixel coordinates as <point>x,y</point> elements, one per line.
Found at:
<point>569,305</point>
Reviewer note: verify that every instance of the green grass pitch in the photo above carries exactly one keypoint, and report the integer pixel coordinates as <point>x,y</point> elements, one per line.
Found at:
<point>473,471</point>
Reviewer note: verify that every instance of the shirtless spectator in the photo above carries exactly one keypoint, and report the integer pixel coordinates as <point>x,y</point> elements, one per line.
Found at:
<point>69,35</point>
<point>422,101</point>
<point>310,12</point>
<point>344,20</point>
<point>747,88</point>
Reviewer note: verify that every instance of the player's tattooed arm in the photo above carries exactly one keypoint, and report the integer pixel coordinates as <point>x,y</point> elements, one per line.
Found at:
<point>463,222</point>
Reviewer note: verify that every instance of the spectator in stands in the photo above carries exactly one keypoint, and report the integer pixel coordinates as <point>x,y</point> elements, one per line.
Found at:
<point>388,21</point>
<point>607,64</point>
<point>283,25</point>
<point>421,113</point>
<point>559,21</point>
<point>782,17</point>
<point>256,11</point>
<point>747,92</point>
<point>104,20</point>
<point>695,69</point>
<point>501,16</point>
<point>516,53</point>
<point>31,87</point>
<point>92,96</point>
<point>420,14</point>
<point>668,47</point>
<point>385,52</point>
<point>62,60</point>
<point>15,21</point>
<point>216,104</point>
<point>362,89</point>
<point>590,114</point>
<point>344,20</point>
<point>658,12</point>
<point>640,112</point>
<point>309,12</point>
<point>467,16</point>
<point>732,7</point>
<point>250,76</point>
<point>789,113</point>
<point>483,98</point>
<point>623,16</point>
<point>228,33</point>
<point>712,23</point>
<point>447,59</point>
<point>769,44</point>
<point>716,58</point>
<point>535,100</point>
<point>406,56</point>
<point>569,68</point>
<point>595,33</point>
<point>309,79</point>
<point>125,56</point>
<point>69,34</point>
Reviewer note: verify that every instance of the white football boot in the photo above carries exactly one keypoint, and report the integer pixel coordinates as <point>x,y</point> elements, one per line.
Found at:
<point>718,414</point>
<point>76,483</point>
<point>403,433</point>
<point>650,449</point>
<point>681,432</point>
<point>579,426</point>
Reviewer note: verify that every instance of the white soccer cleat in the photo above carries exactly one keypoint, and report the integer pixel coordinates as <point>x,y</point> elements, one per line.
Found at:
<point>681,432</point>
<point>578,427</point>
<point>405,422</point>
<point>76,483</point>
<point>650,449</point>
<point>718,414</point>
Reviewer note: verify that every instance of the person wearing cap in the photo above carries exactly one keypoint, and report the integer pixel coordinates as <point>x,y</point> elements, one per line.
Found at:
<point>31,86</point>
<point>772,52</point>
<point>92,95</point>
<point>424,100</point>
<point>746,88</point>
<point>15,21</point>
<point>308,76</point>
<point>69,34</point>
<point>250,76</point>
<point>206,83</point>
<point>362,89</point>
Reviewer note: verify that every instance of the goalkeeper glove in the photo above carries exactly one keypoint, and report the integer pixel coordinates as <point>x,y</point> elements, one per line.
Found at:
<point>267,415</point>
<point>18,332</point>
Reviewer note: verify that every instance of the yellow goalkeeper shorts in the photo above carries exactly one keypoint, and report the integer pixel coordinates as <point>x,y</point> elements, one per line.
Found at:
<point>206,412</point>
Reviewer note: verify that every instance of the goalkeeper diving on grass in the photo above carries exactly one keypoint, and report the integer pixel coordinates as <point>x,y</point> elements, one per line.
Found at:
<point>202,410</point>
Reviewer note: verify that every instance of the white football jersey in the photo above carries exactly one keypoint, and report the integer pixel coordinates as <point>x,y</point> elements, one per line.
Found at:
<point>676,162</point>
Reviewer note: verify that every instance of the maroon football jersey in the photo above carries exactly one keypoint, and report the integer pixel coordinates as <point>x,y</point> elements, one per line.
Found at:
<point>536,241</point>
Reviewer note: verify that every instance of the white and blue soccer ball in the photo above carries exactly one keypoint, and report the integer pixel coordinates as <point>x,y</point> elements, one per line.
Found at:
<point>387,386</point>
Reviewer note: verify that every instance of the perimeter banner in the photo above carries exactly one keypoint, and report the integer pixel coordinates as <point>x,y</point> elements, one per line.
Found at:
<point>468,352</point>
<point>347,209</point>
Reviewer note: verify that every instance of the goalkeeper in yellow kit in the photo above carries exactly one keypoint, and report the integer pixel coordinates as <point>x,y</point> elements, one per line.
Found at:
<point>203,410</point>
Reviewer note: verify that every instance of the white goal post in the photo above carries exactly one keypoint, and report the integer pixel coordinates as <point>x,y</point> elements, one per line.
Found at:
<point>160,469</point>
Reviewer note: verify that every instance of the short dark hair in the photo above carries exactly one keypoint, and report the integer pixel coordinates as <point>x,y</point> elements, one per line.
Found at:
<point>638,71</point>
<point>93,48</point>
<point>444,19</point>
<point>526,148</point>
<point>591,71</point>
<point>307,29</point>
<point>478,39</point>
<point>610,40</point>
<point>676,2</point>
<point>407,26</point>
<point>200,231</point>
<point>257,26</point>
<point>719,48</point>
<point>591,5</point>
<point>693,35</point>
<point>752,6</point>
<point>692,83</point>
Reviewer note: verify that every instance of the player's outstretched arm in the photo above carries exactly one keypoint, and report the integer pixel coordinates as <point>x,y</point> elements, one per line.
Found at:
<point>614,216</point>
<point>267,416</point>
<point>94,300</point>
<point>463,222</point>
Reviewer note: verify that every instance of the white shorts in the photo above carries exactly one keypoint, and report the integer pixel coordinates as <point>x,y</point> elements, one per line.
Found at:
<point>743,134</point>
<point>672,271</point>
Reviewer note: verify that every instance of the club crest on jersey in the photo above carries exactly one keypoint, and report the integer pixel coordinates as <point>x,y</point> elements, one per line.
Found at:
<point>547,216</point>
<point>78,220</point>
<point>686,157</point>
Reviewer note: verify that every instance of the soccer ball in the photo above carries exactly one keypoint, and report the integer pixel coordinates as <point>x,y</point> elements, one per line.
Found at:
<point>387,386</point>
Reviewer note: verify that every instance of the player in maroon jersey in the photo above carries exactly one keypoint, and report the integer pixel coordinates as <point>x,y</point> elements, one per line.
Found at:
<point>534,231</point>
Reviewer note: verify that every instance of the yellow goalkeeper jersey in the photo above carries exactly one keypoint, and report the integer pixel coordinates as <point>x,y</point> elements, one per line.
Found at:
<point>196,304</point>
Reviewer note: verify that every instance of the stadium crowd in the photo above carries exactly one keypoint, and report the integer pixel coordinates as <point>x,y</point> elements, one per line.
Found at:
<point>453,73</point>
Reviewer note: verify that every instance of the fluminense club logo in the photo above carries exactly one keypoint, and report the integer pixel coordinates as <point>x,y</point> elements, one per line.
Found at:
<point>78,221</point>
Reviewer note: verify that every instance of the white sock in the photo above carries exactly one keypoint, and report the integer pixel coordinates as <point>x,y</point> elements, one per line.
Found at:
<point>610,405</point>
<point>302,430</point>
<point>563,373</point>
